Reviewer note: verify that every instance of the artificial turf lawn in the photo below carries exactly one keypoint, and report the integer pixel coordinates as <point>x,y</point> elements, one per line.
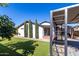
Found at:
<point>23,47</point>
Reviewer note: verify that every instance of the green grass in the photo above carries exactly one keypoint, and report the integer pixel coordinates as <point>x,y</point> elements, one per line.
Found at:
<point>24,47</point>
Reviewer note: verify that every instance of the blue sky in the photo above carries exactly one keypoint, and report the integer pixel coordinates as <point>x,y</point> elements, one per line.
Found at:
<point>19,12</point>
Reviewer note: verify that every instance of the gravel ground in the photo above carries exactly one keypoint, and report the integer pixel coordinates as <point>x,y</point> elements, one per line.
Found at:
<point>73,48</point>
<point>71,51</point>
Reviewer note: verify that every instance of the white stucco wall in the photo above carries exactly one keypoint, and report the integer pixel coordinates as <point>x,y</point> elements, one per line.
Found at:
<point>21,31</point>
<point>33,31</point>
<point>45,24</point>
<point>41,32</point>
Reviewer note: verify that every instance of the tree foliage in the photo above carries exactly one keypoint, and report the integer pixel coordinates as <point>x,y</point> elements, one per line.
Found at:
<point>7,27</point>
<point>30,29</point>
<point>36,29</point>
<point>25,29</point>
<point>3,4</point>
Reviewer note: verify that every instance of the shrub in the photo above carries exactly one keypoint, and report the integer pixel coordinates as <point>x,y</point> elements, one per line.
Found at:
<point>36,29</point>
<point>25,29</point>
<point>30,29</point>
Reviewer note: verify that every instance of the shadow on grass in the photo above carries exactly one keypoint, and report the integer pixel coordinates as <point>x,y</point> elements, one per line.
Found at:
<point>5,51</point>
<point>1,40</point>
<point>24,48</point>
<point>18,49</point>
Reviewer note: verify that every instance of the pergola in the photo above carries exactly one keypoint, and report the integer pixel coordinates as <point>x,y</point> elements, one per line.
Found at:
<point>67,15</point>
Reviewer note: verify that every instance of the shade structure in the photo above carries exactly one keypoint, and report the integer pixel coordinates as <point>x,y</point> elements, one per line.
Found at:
<point>73,15</point>
<point>69,16</point>
<point>72,25</point>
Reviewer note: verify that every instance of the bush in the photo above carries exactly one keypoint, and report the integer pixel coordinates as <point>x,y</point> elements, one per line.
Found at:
<point>36,29</point>
<point>30,29</point>
<point>25,29</point>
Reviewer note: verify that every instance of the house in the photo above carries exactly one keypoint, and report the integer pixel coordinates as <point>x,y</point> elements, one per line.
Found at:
<point>43,29</point>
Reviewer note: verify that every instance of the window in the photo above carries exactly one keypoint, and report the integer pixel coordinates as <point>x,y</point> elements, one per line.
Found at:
<point>22,28</point>
<point>46,31</point>
<point>19,34</point>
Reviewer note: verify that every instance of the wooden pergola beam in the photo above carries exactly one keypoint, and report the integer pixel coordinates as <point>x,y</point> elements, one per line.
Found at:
<point>59,15</point>
<point>75,17</point>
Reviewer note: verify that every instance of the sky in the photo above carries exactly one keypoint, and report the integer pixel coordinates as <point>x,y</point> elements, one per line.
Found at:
<point>20,12</point>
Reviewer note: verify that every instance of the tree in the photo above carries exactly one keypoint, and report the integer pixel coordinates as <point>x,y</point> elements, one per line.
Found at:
<point>30,29</point>
<point>7,27</point>
<point>36,29</point>
<point>3,4</point>
<point>25,29</point>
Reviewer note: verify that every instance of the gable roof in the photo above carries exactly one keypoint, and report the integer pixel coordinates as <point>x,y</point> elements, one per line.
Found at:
<point>44,22</point>
<point>26,22</point>
<point>21,24</point>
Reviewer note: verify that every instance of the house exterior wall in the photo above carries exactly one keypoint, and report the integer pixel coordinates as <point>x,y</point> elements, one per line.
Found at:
<point>21,31</point>
<point>33,30</point>
<point>41,32</point>
<point>45,24</point>
<point>45,30</point>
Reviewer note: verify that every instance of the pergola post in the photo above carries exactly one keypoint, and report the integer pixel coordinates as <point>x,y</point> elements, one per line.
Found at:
<point>51,32</point>
<point>65,41</point>
<point>61,33</point>
<point>72,34</point>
